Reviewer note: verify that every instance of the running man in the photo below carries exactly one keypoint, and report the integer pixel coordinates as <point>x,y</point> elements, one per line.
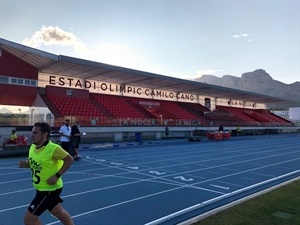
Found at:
<point>48,162</point>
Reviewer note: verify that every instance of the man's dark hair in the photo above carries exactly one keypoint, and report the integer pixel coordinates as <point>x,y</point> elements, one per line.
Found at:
<point>44,127</point>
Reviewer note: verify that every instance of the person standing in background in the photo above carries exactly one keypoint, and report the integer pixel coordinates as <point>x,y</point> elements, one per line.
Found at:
<point>221,128</point>
<point>238,131</point>
<point>167,131</point>
<point>65,136</point>
<point>76,139</point>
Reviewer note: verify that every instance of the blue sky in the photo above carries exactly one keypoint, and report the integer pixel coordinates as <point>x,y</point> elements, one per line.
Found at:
<point>182,38</point>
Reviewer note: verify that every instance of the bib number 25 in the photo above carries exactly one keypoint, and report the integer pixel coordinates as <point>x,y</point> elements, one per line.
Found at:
<point>35,176</point>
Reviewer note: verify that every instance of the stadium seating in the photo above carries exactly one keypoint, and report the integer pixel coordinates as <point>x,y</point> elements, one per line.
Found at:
<point>260,117</point>
<point>107,109</point>
<point>220,117</point>
<point>169,110</point>
<point>75,106</point>
<point>239,112</point>
<point>119,106</point>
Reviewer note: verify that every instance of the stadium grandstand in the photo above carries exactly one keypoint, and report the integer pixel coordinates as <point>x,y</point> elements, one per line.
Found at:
<point>114,103</point>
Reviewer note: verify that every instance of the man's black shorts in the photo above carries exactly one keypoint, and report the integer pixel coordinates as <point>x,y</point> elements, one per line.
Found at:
<point>44,200</point>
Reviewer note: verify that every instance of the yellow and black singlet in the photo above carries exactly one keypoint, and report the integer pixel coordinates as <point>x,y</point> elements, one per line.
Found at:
<point>44,164</point>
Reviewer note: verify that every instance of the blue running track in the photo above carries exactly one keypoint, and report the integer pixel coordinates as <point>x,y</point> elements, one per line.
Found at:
<point>164,183</point>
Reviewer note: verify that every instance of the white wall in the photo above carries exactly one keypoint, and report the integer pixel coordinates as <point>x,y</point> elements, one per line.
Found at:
<point>294,113</point>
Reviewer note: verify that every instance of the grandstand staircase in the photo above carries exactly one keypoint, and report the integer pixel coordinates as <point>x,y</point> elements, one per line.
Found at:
<point>221,117</point>
<point>272,118</point>
<point>257,116</point>
<point>240,113</point>
<point>197,109</point>
<point>53,109</point>
<point>141,109</point>
<point>103,110</point>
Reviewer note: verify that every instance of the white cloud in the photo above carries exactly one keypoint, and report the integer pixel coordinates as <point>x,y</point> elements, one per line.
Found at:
<point>55,36</point>
<point>240,35</point>
<point>208,72</point>
<point>201,72</point>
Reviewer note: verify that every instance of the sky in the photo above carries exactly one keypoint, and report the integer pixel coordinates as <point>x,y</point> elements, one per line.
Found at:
<point>177,38</point>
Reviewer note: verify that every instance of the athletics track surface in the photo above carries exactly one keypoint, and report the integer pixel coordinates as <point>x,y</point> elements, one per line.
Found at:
<point>160,183</point>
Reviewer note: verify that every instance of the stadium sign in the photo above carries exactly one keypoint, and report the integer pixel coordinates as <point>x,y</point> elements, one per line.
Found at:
<point>157,122</point>
<point>104,87</point>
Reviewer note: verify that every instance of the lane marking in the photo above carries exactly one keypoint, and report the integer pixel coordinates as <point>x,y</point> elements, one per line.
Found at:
<point>262,174</point>
<point>116,164</point>
<point>117,204</point>
<point>183,178</point>
<point>212,172</point>
<point>233,184</point>
<point>218,186</point>
<point>283,167</point>
<point>100,160</point>
<point>156,172</point>
<point>248,178</point>
<point>133,167</point>
<point>224,168</point>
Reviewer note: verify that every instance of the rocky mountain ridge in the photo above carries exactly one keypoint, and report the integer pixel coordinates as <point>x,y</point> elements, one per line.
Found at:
<point>258,81</point>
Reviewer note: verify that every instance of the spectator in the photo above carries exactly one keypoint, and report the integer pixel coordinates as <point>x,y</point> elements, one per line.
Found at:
<point>167,131</point>
<point>221,128</point>
<point>65,134</point>
<point>12,140</point>
<point>76,139</point>
<point>47,162</point>
<point>238,131</point>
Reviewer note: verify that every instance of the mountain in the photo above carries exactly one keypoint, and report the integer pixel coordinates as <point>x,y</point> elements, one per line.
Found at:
<point>258,81</point>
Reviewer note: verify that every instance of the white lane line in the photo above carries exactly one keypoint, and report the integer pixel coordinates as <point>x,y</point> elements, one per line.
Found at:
<point>183,178</point>
<point>212,172</point>
<point>244,172</point>
<point>205,189</point>
<point>262,174</point>
<point>284,167</point>
<point>218,186</point>
<point>224,168</point>
<point>255,164</point>
<point>14,168</point>
<point>13,181</point>
<point>117,204</point>
<point>18,191</point>
<point>227,183</point>
<point>248,178</point>
<point>198,177</point>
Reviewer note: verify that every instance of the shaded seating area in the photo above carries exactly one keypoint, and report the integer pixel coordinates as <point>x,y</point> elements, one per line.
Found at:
<point>155,108</point>
<point>256,117</point>
<point>170,110</point>
<point>270,118</point>
<point>119,106</point>
<point>179,111</point>
<point>219,117</point>
<point>239,113</point>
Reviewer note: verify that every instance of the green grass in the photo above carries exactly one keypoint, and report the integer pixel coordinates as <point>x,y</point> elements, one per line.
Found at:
<point>260,210</point>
